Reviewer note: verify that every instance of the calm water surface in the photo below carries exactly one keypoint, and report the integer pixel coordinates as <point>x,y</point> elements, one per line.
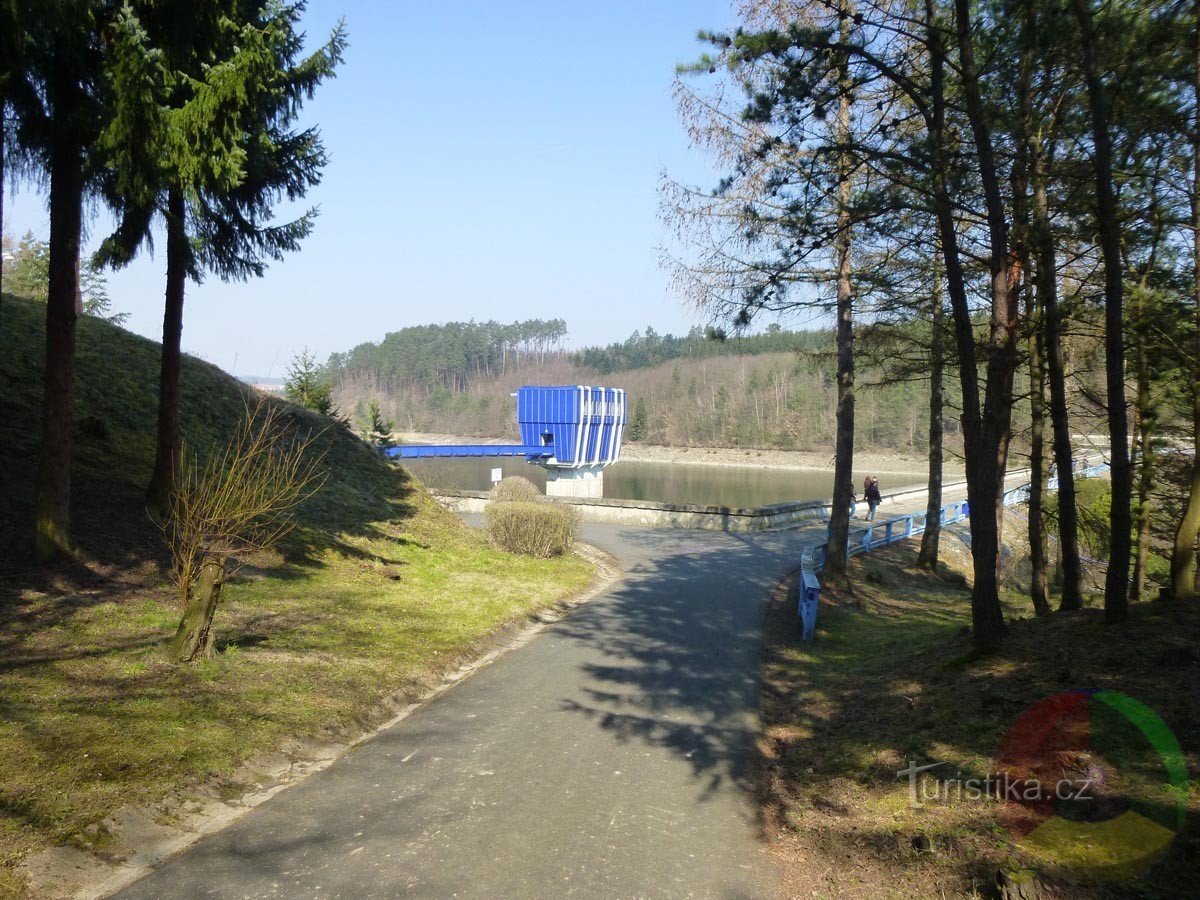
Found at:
<point>665,482</point>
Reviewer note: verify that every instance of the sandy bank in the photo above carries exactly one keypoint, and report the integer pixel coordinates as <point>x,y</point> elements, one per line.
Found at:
<point>795,460</point>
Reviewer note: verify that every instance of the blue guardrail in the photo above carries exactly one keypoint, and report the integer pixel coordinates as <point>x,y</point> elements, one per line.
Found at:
<point>899,528</point>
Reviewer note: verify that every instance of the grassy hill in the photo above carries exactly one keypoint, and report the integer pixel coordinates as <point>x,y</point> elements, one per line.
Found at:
<point>117,390</point>
<point>378,591</point>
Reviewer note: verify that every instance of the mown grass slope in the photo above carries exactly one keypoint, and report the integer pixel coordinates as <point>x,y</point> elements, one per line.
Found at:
<point>378,591</point>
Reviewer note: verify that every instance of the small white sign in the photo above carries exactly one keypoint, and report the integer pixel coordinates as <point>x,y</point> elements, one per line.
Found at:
<point>497,474</point>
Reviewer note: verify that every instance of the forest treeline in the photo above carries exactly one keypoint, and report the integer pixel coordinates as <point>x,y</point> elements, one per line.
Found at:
<point>645,348</point>
<point>770,389</point>
<point>778,400</point>
<point>449,356</point>
<point>774,389</point>
<point>26,273</point>
<point>1010,176</point>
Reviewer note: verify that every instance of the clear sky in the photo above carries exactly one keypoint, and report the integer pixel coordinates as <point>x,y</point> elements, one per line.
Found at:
<point>489,160</point>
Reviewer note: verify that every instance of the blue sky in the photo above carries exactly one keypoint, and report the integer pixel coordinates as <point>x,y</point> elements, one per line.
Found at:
<point>488,160</point>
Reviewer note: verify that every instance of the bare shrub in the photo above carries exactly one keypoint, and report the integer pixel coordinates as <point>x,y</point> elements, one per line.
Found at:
<point>515,489</point>
<point>540,529</point>
<point>239,500</point>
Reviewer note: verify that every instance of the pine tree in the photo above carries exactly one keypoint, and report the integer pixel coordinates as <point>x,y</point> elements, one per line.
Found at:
<point>27,268</point>
<point>27,274</point>
<point>377,429</point>
<point>220,99</point>
<point>637,427</point>
<point>307,385</point>
<point>54,62</point>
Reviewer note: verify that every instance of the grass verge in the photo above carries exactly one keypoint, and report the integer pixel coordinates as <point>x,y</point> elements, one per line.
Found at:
<point>376,596</point>
<point>892,679</point>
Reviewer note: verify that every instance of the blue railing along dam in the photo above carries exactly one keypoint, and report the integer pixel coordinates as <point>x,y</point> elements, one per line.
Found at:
<point>574,432</point>
<point>900,528</point>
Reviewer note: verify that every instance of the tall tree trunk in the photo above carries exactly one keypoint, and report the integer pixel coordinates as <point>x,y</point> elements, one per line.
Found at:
<point>931,537</point>
<point>194,637</point>
<point>1022,238</point>
<point>1183,554</point>
<point>3,114</point>
<point>158,494</point>
<point>1039,592</point>
<point>1144,429</point>
<point>990,434</point>
<point>1047,291</point>
<point>964,333</point>
<point>843,465</point>
<point>52,537</point>
<point>1116,583</point>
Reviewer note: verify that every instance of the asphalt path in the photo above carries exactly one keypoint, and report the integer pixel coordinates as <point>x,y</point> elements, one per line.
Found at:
<point>610,757</point>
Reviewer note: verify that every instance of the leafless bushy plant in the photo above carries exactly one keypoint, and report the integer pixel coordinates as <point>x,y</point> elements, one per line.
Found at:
<point>239,500</point>
<point>515,489</point>
<point>540,529</point>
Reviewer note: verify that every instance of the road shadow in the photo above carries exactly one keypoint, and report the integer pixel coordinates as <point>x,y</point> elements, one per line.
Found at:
<point>674,649</point>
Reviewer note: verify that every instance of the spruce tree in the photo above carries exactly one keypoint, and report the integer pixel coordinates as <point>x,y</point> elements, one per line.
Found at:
<point>377,429</point>
<point>55,60</point>
<point>637,427</point>
<point>227,92</point>
<point>307,385</point>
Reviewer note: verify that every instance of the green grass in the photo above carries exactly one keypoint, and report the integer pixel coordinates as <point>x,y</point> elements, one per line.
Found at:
<point>377,593</point>
<point>892,678</point>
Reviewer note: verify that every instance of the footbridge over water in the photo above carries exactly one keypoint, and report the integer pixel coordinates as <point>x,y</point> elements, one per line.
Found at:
<point>574,432</point>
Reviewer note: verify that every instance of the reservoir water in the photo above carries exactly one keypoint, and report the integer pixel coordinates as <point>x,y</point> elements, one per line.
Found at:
<point>747,485</point>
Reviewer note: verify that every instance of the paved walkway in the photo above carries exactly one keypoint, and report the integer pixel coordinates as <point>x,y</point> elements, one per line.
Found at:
<point>607,758</point>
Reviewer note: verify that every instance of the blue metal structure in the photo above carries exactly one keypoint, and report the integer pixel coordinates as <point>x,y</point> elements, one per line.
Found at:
<point>427,451</point>
<point>583,424</point>
<point>562,427</point>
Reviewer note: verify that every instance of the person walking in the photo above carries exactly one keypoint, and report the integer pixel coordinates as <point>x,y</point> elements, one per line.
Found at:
<point>873,498</point>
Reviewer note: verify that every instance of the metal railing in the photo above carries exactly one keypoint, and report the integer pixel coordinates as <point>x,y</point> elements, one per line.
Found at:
<point>898,528</point>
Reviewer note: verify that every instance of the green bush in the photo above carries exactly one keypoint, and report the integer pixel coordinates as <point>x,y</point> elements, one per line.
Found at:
<point>540,529</point>
<point>1093,502</point>
<point>515,489</point>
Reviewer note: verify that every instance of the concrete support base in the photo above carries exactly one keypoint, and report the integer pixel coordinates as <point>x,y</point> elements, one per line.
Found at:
<point>587,482</point>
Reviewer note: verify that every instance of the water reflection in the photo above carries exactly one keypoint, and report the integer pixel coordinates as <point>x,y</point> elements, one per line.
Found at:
<point>665,482</point>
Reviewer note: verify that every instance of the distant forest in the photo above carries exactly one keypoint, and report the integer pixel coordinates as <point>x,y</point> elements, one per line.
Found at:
<point>774,389</point>
<point>648,348</point>
<point>449,356</point>
<point>455,354</point>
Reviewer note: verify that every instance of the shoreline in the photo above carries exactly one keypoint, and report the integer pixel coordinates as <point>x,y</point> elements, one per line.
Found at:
<point>728,457</point>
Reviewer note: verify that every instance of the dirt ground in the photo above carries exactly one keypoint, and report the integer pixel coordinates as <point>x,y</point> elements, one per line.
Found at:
<point>892,678</point>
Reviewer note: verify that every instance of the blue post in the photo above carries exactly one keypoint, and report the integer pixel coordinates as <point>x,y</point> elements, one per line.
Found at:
<point>908,526</point>
<point>810,596</point>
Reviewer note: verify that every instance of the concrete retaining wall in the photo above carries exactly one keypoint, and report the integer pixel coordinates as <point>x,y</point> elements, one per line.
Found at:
<point>662,515</point>
<point>706,518</point>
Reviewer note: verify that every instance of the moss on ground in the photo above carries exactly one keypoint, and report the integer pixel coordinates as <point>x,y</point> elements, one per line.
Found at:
<point>378,592</point>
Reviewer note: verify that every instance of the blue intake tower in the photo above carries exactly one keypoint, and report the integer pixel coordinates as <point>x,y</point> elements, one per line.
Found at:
<point>574,432</point>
